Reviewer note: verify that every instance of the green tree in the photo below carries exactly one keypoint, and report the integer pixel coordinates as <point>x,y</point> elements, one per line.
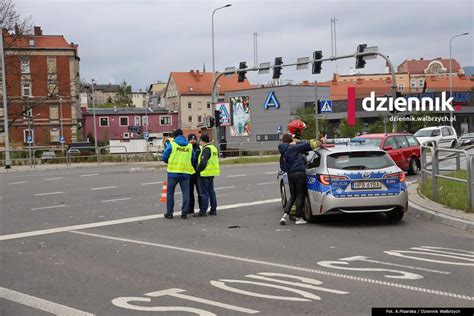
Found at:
<point>124,95</point>
<point>307,115</point>
<point>349,131</point>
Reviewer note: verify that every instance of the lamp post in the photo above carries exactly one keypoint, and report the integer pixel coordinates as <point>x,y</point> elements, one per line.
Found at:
<point>451,70</point>
<point>8,161</point>
<point>61,138</point>
<point>93,115</point>
<point>213,97</point>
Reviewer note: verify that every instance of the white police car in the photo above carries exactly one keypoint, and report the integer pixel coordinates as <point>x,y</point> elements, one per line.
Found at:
<point>351,178</point>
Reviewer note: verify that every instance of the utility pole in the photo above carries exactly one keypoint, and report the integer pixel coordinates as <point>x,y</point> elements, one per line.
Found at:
<point>8,161</point>
<point>93,115</point>
<point>316,108</point>
<point>61,123</point>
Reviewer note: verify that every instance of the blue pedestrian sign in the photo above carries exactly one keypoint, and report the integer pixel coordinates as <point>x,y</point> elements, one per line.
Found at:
<point>271,101</point>
<point>29,139</point>
<point>61,139</point>
<point>325,106</point>
<point>146,135</point>
<point>279,129</point>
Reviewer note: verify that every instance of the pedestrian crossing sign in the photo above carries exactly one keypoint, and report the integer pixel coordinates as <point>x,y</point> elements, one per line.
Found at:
<point>326,106</point>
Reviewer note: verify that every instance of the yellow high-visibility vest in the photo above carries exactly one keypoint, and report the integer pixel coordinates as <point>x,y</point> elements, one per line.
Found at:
<point>180,159</point>
<point>212,168</point>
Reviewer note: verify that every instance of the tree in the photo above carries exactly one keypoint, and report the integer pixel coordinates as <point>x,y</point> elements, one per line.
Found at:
<point>124,95</point>
<point>307,115</point>
<point>350,131</point>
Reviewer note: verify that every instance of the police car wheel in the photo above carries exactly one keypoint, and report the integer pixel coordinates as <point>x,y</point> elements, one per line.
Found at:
<point>307,210</point>
<point>284,200</point>
<point>395,215</point>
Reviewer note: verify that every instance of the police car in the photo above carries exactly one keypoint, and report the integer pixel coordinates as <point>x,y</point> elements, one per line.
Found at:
<point>351,177</point>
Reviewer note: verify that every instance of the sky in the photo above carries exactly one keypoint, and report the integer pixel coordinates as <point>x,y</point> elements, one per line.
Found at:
<point>142,41</point>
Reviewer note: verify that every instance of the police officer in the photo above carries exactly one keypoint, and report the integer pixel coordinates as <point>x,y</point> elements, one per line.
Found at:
<point>193,181</point>
<point>179,156</point>
<point>208,168</point>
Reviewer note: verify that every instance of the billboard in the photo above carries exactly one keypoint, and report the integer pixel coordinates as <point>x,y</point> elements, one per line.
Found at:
<point>241,114</point>
<point>224,114</point>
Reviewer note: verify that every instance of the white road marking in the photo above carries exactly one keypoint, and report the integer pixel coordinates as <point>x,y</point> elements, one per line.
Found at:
<point>118,221</point>
<point>49,193</point>
<point>402,253</point>
<point>265,183</point>
<point>271,172</point>
<point>366,259</point>
<point>19,182</point>
<point>116,200</point>
<point>223,188</point>
<point>150,183</point>
<point>47,207</point>
<point>284,266</point>
<point>38,303</point>
<point>89,175</point>
<point>236,175</point>
<point>50,179</point>
<point>104,188</point>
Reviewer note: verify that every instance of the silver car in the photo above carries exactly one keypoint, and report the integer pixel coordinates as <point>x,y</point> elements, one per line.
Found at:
<point>351,179</point>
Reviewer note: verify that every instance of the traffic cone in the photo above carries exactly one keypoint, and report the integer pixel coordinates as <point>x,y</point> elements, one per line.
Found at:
<point>164,193</point>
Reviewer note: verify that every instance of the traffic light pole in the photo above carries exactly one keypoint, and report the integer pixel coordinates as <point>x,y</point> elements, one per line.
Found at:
<point>393,87</point>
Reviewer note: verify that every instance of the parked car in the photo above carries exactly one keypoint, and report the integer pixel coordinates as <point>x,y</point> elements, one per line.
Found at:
<point>466,139</point>
<point>48,155</point>
<point>440,136</point>
<point>403,148</point>
<point>351,179</point>
<point>81,149</point>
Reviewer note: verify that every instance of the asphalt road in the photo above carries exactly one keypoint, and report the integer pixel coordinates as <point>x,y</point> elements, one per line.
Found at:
<point>93,241</point>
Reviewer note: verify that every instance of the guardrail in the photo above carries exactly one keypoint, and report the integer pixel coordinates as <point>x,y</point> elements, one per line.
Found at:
<point>435,171</point>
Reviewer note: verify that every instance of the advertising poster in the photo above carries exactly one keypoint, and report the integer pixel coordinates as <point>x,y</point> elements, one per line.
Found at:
<point>241,113</point>
<point>224,114</point>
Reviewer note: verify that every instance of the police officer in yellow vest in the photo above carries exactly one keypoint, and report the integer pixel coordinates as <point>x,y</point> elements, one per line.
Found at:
<point>179,156</point>
<point>208,167</point>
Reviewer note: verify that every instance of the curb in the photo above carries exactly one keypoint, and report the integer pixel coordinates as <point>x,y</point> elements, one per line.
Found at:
<point>438,217</point>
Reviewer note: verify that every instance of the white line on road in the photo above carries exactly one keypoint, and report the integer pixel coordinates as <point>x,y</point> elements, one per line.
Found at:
<point>223,188</point>
<point>366,259</point>
<point>150,183</point>
<point>118,221</point>
<point>89,175</point>
<point>49,193</point>
<point>284,266</point>
<point>265,183</point>
<point>104,188</point>
<point>236,175</point>
<point>115,200</point>
<point>271,172</point>
<point>47,207</point>
<point>50,179</point>
<point>38,303</point>
<point>19,182</point>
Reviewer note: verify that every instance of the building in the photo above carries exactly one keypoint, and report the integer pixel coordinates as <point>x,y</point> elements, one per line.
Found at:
<point>128,123</point>
<point>189,93</point>
<point>155,94</point>
<point>139,99</point>
<point>42,79</point>
<point>105,93</point>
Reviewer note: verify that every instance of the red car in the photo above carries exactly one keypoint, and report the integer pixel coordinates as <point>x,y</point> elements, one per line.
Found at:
<point>403,148</point>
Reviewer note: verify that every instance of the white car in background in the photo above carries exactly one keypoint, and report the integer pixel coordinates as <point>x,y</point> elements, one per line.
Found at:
<point>441,136</point>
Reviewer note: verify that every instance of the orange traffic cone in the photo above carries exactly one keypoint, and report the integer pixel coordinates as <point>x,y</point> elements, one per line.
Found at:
<point>164,193</point>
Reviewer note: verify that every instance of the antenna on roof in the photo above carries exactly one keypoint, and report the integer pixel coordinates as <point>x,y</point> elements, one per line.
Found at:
<point>203,66</point>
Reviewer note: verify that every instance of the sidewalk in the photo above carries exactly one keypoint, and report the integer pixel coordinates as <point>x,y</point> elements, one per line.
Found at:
<point>78,165</point>
<point>427,209</point>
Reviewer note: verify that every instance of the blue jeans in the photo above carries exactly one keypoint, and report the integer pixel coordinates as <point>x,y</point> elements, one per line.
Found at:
<point>206,185</point>
<point>171,186</point>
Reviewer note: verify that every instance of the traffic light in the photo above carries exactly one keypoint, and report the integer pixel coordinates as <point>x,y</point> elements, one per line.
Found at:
<point>217,118</point>
<point>317,65</point>
<point>212,122</point>
<point>318,107</point>
<point>242,74</point>
<point>360,62</point>
<point>277,68</point>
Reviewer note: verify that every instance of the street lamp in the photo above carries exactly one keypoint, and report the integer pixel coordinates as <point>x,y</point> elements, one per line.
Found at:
<point>61,138</point>
<point>214,72</point>
<point>8,160</point>
<point>93,115</point>
<point>451,70</point>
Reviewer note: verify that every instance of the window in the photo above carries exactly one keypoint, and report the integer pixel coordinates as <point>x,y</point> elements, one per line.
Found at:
<point>103,121</point>
<point>390,142</point>
<point>359,160</point>
<point>208,105</point>
<point>137,121</point>
<point>402,141</point>
<point>401,87</point>
<point>412,141</point>
<point>451,131</point>
<point>124,121</point>
<point>314,160</point>
<point>53,112</point>
<point>31,42</point>
<point>445,131</point>
<point>199,119</point>
<point>25,65</point>
<point>54,135</point>
<point>421,83</point>
<point>26,89</point>
<point>145,120</point>
<point>166,120</point>
<point>413,83</point>
<point>52,84</point>
<point>190,119</point>
<point>190,105</point>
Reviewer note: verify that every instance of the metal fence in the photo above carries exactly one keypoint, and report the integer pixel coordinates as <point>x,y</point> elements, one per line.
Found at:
<point>235,149</point>
<point>435,172</point>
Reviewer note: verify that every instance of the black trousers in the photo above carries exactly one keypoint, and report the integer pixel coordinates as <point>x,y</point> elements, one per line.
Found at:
<point>297,182</point>
<point>193,182</point>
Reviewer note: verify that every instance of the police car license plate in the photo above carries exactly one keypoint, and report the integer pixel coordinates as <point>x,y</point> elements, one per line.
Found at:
<point>366,185</point>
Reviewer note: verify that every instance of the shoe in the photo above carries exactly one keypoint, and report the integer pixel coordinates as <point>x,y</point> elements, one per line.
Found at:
<point>191,212</point>
<point>212,213</point>
<point>284,219</point>
<point>168,215</point>
<point>199,215</point>
<point>300,221</point>
<point>184,216</point>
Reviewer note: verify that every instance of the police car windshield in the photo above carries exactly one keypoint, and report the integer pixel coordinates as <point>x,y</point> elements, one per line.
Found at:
<point>359,160</point>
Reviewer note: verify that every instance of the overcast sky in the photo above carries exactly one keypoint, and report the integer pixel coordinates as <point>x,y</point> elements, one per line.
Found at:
<point>142,41</point>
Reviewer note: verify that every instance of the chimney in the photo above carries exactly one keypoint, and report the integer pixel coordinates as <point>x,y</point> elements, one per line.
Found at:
<point>421,58</point>
<point>38,31</point>
<point>17,29</point>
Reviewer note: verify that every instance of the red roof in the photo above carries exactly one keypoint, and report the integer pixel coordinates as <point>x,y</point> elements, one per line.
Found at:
<point>459,83</point>
<point>363,88</point>
<point>418,66</point>
<point>44,41</point>
<point>200,83</point>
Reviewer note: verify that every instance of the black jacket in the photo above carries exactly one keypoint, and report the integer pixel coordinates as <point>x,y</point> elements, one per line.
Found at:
<point>197,151</point>
<point>206,154</point>
<point>294,155</point>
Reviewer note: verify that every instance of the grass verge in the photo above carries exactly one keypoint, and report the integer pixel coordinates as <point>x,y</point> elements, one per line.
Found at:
<point>450,193</point>
<point>246,160</point>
